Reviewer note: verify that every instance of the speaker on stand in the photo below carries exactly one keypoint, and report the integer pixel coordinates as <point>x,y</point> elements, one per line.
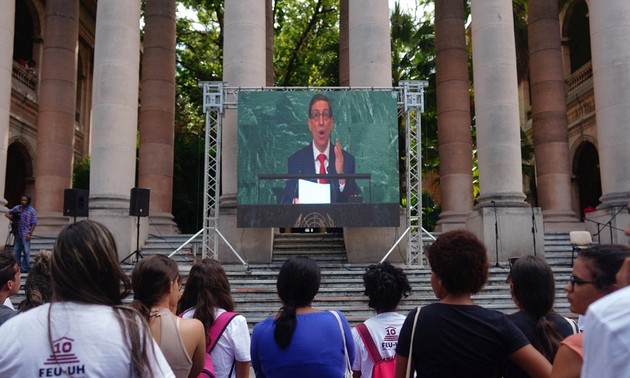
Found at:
<point>138,207</point>
<point>75,203</point>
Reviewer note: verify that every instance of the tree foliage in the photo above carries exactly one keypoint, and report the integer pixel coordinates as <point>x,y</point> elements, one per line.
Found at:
<point>199,58</point>
<point>306,53</point>
<point>306,42</point>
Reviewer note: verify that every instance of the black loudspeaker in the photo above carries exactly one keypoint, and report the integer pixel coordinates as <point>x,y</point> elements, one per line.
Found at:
<point>139,202</point>
<point>75,202</point>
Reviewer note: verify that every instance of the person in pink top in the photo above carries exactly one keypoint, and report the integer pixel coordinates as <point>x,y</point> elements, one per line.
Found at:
<point>593,277</point>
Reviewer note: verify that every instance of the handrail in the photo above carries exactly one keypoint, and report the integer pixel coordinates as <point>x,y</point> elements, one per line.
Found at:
<point>400,239</point>
<point>186,242</point>
<point>231,248</point>
<point>222,237</point>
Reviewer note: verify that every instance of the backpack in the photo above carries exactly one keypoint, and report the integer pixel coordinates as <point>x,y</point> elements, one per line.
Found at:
<point>383,368</point>
<point>215,332</point>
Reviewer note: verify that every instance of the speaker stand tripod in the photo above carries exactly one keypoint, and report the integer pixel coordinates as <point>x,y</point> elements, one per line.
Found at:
<point>135,254</point>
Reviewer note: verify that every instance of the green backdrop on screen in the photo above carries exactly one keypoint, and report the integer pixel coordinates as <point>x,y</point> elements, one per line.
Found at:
<point>272,125</point>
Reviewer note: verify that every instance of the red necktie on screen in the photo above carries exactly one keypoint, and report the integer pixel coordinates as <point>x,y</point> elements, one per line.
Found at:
<point>322,167</point>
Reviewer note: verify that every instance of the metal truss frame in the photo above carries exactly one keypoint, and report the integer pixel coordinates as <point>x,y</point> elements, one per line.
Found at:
<point>217,97</point>
<point>413,106</point>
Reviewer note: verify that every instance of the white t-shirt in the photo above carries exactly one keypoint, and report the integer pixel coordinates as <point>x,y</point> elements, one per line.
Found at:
<point>233,344</point>
<point>607,336</point>
<point>87,341</point>
<point>9,304</point>
<point>384,329</point>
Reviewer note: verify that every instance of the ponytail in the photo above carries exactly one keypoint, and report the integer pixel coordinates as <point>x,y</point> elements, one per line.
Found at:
<point>285,325</point>
<point>546,338</point>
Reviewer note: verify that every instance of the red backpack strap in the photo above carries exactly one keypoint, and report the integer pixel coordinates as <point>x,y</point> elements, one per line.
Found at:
<point>218,327</point>
<point>363,331</point>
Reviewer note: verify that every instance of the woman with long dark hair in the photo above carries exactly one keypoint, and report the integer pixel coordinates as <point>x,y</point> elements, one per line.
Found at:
<point>533,289</point>
<point>206,297</point>
<point>593,277</point>
<point>301,341</point>
<point>86,330</point>
<point>156,283</point>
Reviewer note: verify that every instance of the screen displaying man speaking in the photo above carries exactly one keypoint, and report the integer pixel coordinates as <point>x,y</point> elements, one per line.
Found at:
<point>321,156</point>
<point>307,154</point>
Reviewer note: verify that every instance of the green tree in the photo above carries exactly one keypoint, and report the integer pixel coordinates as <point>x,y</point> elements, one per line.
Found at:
<point>306,43</point>
<point>306,53</point>
<point>199,58</point>
<point>81,174</point>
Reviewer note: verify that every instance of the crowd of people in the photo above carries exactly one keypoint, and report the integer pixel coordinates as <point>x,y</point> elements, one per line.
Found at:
<point>74,322</point>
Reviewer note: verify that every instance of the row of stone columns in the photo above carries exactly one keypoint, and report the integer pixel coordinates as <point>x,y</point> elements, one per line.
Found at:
<point>7,27</point>
<point>115,111</point>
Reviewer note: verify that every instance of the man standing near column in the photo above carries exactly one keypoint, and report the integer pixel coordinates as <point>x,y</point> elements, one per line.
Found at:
<point>23,220</point>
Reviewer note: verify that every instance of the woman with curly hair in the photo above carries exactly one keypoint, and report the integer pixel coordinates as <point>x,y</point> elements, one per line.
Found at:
<point>38,286</point>
<point>206,296</point>
<point>86,331</point>
<point>385,286</point>
<point>455,337</point>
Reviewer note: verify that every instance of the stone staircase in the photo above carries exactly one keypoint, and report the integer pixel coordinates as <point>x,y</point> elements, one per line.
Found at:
<point>254,290</point>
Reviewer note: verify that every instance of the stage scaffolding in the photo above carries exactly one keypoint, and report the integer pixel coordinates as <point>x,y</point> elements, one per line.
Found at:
<point>217,97</point>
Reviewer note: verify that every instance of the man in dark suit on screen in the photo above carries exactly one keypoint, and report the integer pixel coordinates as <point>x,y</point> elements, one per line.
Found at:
<point>321,156</point>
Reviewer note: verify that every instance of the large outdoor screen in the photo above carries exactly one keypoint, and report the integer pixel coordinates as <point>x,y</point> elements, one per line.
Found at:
<point>281,182</point>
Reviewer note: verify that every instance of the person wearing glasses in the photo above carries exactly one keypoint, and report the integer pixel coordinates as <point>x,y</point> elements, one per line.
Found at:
<point>321,156</point>
<point>533,290</point>
<point>593,278</point>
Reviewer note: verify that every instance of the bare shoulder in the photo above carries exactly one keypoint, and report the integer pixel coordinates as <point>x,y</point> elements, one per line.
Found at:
<point>191,325</point>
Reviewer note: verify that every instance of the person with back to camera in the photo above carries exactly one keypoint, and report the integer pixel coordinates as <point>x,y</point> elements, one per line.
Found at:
<point>301,341</point>
<point>24,220</point>
<point>207,297</point>
<point>385,286</point>
<point>533,290</point>
<point>593,277</point>
<point>10,276</point>
<point>320,151</point>
<point>156,284</point>
<point>455,337</point>
<point>86,331</point>
<point>38,286</point>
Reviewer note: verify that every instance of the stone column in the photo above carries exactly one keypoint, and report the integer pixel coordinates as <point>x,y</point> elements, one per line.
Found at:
<point>7,23</point>
<point>370,54</point>
<point>56,117</point>
<point>549,115</point>
<point>270,77</point>
<point>115,118</point>
<point>453,109</point>
<point>502,218</point>
<point>370,66</point>
<point>157,112</point>
<point>610,27</point>
<point>344,74</point>
<point>244,65</point>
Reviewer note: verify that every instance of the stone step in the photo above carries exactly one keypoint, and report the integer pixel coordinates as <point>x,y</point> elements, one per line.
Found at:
<point>255,295</point>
